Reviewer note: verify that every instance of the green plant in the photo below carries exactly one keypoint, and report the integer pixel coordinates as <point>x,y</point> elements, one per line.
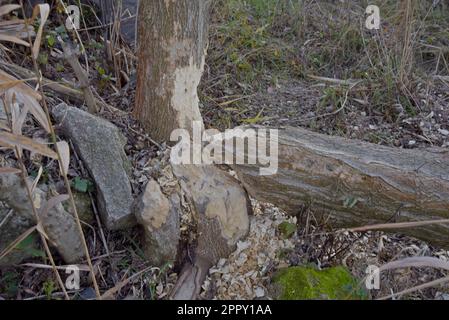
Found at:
<point>42,58</point>
<point>9,283</point>
<point>28,245</point>
<point>51,40</point>
<point>287,229</point>
<point>305,283</point>
<point>49,287</point>
<point>105,77</point>
<point>82,185</point>
<point>60,67</point>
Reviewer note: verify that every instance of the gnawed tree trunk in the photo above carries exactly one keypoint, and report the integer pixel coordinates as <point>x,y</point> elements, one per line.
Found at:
<point>172,42</point>
<point>357,183</point>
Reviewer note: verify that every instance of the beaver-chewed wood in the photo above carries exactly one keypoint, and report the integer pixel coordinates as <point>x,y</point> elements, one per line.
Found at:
<point>357,183</point>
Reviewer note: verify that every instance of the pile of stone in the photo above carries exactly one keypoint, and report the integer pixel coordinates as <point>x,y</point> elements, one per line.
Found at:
<point>212,198</point>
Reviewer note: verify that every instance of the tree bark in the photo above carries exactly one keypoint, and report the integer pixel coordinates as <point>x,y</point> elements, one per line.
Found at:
<point>172,43</point>
<point>357,183</point>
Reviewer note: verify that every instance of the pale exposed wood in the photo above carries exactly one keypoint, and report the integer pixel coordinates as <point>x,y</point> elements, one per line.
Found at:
<point>191,278</point>
<point>172,41</point>
<point>357,183</point>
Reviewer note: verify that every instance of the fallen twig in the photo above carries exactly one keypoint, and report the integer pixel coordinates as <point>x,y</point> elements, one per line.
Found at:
<point>71,57</point>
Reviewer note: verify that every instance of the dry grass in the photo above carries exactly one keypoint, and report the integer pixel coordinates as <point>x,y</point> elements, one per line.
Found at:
<point>258,46</point>
<point>310,62</point>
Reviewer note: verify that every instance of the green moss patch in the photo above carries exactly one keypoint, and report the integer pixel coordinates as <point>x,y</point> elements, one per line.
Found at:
<point>302,283</point>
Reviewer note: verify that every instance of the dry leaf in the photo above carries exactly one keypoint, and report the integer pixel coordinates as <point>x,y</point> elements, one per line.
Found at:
<point>14,30</point>
<point>26,95</point>
<point>7,170</point>
<point>36,180</point>
<point>18,116</point>
<point>8,84</point>
<point>19,86</point>
<point>417,262</point>
<point>44,10</point>
<point>35,109</point>
<point>4,126</point>
<point>41,230</point>
<point>14,39</point>
<point>64,152</point>
<point>10,139</point>
<point>7,8</point>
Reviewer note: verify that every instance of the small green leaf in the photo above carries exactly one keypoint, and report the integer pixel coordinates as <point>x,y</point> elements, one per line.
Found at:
<point>28,246</point>
<point>82,185</point>
<point>60,30</point>
<point>9,283</point>
<point>101,71</point>
<point>287,229</point>
<point>51,41</point>
<point>49,287</point>
<point>59,68</point>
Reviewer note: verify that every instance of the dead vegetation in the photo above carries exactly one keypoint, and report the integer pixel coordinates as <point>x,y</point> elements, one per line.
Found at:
<point>305,63</point>
<point>314,64</point>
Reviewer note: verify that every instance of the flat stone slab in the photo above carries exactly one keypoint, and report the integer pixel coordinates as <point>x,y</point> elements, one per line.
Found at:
<point>100,145</point>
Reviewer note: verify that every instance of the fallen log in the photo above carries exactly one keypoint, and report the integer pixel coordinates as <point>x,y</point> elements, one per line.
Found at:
<point>355,183</point>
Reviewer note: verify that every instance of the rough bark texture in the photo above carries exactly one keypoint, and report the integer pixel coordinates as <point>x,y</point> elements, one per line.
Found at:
<point>358,183</point>
<point>172,42</point>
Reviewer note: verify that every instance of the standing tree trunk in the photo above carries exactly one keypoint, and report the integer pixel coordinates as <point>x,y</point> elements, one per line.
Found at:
<point>172,43</point>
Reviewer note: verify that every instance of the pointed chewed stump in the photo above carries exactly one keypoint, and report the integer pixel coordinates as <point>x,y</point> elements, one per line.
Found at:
<point>221,207</point>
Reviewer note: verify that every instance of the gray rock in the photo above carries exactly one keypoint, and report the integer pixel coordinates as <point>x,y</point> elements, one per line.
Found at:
<point>58,224</point>
<point>13,226</point>
<point>160,218</point>
<point>83,207</point>
<point>2,111</point>
<point>100,145</point>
